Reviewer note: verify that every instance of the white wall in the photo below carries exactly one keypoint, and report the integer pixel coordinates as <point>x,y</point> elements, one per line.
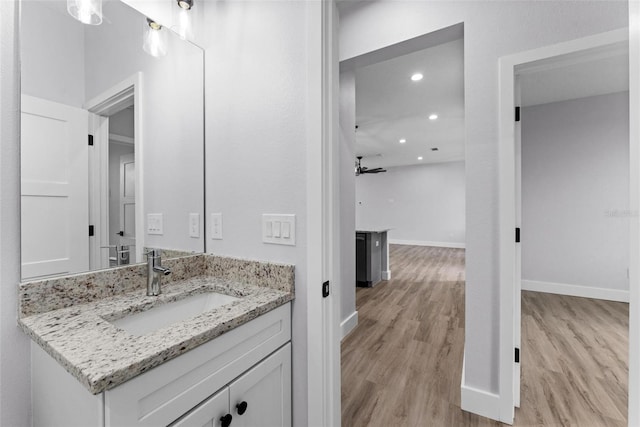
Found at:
<point>347,199</point>
<point>491,30</point>
<point>54,67</point>
<point>15,397</point>
<point>575,192</point>
<point>256,98</point>
<point>423,204</point>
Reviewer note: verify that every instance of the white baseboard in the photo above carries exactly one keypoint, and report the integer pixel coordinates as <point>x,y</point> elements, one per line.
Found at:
<point>386,274</point>
<point>479,402</point>
<point>576,290</point>
<point>425,243</point>
<point>348,324</point>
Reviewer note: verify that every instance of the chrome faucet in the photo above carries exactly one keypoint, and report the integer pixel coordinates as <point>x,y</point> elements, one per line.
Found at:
<point>155,271</point>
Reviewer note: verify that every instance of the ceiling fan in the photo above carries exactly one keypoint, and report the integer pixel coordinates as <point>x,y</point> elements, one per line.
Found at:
<point>361,169</point>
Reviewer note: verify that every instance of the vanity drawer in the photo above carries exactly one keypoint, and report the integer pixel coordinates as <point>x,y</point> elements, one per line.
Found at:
<point>168,391</point>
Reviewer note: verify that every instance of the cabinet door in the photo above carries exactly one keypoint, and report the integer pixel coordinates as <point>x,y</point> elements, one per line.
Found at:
<point>209,413</point>
<point>262,396</point>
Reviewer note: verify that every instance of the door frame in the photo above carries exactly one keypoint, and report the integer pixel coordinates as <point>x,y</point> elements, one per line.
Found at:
<point>509,67</point>
<point>122,95</point>
<point>323,314</point>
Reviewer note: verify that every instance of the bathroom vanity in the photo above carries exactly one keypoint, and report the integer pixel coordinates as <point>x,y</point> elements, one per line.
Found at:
<point>213,347</point>
<point>228,362</point>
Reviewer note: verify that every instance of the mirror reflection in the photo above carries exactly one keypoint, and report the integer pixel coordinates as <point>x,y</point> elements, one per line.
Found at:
<point>111,140</point>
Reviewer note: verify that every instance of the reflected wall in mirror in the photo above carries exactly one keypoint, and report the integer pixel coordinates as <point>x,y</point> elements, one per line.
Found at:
<point>93,202</point>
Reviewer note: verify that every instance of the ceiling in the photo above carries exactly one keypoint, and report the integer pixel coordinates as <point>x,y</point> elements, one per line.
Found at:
<point>390,106</point>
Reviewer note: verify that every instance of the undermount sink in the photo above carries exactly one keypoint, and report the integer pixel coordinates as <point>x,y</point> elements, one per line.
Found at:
<point>166,314</point>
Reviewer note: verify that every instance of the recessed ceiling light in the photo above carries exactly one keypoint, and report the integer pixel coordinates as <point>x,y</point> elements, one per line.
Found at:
<point>402,141</point>
<point>417,77</point>
<point>420,158</point>
<point>434,149</point>
<point>433,117</point>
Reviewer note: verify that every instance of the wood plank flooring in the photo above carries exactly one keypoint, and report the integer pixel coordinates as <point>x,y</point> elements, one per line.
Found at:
<point>402,365</point>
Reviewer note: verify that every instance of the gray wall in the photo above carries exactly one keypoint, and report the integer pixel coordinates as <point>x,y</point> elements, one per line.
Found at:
<point>575,192</point>
<point>347,194</point>
<point>423,204</point>
<point>15,397</point>
<point>491,30</point>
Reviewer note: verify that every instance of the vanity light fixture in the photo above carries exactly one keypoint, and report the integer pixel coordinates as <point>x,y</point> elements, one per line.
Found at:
<point>154,42</point>
<point>185,4</point>
<point>184,27</point>
<point>86,11</point>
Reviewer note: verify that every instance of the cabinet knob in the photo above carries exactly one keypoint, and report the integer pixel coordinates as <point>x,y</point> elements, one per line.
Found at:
<point>241,407</point>
<point>226,420</point>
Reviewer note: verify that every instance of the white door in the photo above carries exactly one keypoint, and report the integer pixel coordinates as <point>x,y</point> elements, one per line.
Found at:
<point>128,204</point>
<point>214,412</point>
<point>55,203</point>
<point>262,396</point>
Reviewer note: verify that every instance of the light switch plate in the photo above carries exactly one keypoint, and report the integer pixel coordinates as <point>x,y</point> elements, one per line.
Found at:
<point>279,229</point>
<point>216,226</point>
<point>194,225</point>
<point>154,224</point>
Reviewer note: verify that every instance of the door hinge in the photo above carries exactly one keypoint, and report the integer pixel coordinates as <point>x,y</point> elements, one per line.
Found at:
<point>517,114</point>
<point>517,355</point>
<point>325,289</point>
<point>517,234</point>
<point>91,231</point>
<point>90,140</point>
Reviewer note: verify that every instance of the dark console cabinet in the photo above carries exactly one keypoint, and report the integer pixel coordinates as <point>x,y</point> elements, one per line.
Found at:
<point>368,258</point>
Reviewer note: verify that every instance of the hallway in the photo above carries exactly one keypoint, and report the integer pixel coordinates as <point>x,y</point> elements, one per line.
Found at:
<point>402,365</point>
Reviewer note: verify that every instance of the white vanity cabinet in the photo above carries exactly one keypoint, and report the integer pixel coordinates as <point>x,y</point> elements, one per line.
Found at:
<point>260,397</point>
<point>251,363</point>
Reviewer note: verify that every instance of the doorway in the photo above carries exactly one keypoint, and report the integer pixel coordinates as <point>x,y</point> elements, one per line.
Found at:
<point>402,111</point>
<point>524,188</point>
<point>115,178</point>
<point>122,224</point>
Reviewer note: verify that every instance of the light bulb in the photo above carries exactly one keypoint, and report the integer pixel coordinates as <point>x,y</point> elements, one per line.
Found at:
<point>86,11</point>
<point>154,39</point>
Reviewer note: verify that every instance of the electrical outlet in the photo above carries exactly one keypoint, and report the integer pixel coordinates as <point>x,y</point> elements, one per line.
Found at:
<point>194,225</point>
<point>216,226</point>
<point>154,224</point>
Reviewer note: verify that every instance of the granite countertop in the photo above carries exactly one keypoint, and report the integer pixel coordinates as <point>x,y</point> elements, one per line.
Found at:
<point>101,356</point>
<point>372,230</point>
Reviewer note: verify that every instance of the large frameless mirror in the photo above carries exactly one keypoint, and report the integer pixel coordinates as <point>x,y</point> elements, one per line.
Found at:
<point>112,140</point>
